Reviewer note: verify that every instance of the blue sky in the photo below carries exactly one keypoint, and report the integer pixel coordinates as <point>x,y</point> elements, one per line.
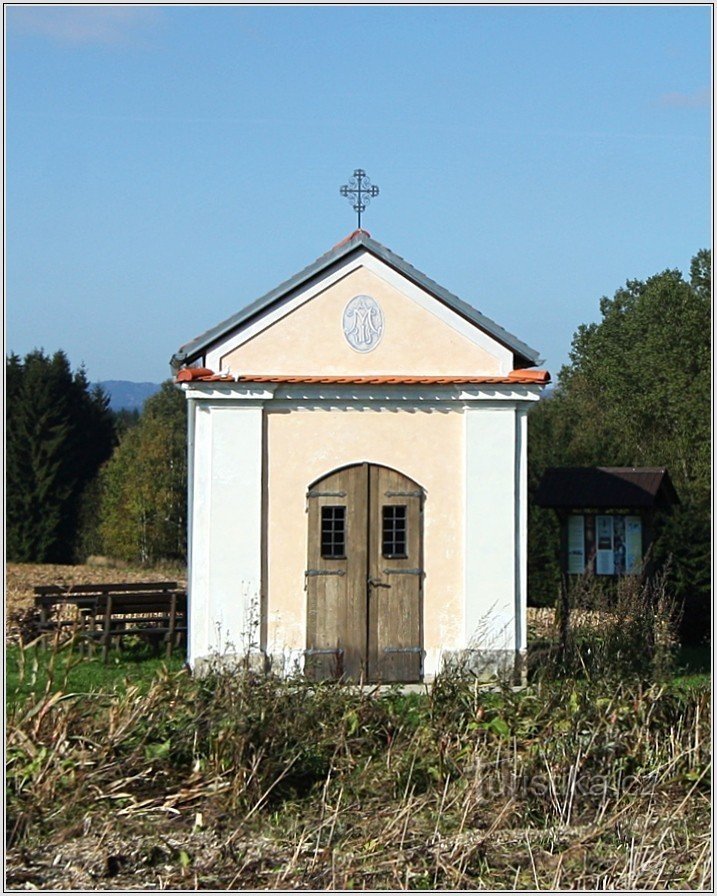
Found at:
<point>167,165</point>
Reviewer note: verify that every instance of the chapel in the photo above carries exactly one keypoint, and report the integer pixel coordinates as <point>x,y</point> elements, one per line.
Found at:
<point>358,477</point>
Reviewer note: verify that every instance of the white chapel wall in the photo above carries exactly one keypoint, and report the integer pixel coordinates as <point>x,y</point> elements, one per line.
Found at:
<point>225,529</point>
<point>492,527</point>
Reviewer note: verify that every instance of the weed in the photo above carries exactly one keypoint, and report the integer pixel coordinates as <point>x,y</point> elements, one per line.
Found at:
<point>619,630</point>
<point>596,775</point>
<point>242,780</point>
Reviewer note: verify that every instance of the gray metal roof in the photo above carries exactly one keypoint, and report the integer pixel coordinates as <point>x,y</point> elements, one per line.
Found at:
<point>360,239</point>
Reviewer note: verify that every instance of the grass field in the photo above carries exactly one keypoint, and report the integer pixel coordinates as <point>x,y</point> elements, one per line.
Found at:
<point>35,671</point>
<point>135,775</point>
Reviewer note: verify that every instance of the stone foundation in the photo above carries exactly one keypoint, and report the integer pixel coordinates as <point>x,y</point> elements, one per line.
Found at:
<point>488,665</point>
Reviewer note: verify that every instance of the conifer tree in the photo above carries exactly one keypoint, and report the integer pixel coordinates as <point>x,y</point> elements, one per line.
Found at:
<point>59,432</point>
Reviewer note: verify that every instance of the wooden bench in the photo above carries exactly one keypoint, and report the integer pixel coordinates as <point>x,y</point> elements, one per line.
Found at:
<point>101,613</point>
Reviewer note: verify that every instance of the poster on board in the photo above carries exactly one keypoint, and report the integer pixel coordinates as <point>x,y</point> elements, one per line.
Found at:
<point>633,544</point>
<point>576,544</point>
<point>618,545</point>
<point>605,559</point>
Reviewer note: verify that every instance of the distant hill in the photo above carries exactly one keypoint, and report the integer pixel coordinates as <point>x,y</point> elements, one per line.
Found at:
<point>128,396</point>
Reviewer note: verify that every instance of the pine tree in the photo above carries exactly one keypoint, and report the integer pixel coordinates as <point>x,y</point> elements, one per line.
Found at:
<point>58,434</point>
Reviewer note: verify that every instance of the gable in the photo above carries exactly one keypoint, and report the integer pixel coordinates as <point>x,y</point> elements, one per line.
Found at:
<point>418,335</point>
<point>480,345</point>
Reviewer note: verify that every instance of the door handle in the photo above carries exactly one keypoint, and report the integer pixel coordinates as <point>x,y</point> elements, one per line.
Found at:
<point>377,583</point>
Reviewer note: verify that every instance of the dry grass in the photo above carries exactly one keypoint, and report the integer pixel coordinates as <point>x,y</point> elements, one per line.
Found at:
<point>542,622</point>
<point>247,782</point>
<point>250,783</point>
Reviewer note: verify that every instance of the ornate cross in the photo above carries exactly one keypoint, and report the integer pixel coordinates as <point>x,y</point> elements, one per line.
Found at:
<point>359,190</point>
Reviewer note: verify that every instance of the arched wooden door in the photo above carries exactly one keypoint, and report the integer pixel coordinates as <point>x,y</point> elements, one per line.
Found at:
<point>364,579</point>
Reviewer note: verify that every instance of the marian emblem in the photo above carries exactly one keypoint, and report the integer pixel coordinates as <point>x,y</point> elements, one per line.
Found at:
<point>363,323</point>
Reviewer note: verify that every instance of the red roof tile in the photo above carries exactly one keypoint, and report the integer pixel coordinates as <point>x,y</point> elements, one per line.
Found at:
<point>187,374</point>
<point>350,237</point>
<point>202,374</point>
<point>516,376</point>
<point>529,376</point>
<point>519,377</point>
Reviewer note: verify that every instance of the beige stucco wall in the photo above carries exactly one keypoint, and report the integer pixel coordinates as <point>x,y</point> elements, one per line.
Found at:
<point>304,445</point>
<point>310,340</point>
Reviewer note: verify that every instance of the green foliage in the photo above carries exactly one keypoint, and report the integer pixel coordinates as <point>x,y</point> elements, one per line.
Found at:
<point>59,432</point>
<point>546,438</point>
<point>143,488</point>
<point>637,393</point>
<point>125,419</point>
<point>638,386</point>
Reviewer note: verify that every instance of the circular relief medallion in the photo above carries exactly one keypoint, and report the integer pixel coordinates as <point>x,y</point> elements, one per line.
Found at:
<point>363,323</point>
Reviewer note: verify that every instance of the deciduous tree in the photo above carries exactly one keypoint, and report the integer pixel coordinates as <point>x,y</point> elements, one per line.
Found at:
<point>637,393</point>
<point>143,503</point>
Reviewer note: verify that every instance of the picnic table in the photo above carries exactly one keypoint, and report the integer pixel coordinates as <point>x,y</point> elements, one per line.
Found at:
<point>103,613</point>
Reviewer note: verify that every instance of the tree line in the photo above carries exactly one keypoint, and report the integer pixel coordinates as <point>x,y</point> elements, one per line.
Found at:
<point>635,392</point>
<point>59,432</point>
<point>83,480</point>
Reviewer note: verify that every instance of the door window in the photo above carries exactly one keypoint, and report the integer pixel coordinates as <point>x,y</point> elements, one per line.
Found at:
<point>394,530</point>
<point>333,532</point>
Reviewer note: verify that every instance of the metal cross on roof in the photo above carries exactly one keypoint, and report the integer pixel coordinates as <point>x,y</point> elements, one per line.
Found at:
<point>359,190</point>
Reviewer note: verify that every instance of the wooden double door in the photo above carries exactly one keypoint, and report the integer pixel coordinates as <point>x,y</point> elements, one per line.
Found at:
<point>364,579</point>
